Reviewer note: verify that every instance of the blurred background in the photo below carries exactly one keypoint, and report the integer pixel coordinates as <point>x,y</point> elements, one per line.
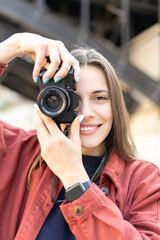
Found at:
<point>126,32</point>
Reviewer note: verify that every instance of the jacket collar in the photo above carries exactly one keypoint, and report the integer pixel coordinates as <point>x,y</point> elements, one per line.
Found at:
<point>114,169</point>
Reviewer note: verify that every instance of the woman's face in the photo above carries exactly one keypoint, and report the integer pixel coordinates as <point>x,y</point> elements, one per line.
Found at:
<point>95,105</point>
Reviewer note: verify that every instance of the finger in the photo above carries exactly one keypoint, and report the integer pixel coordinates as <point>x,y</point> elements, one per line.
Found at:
<point>53,66</point>
<point>40,57</point>
<point>75,129</point>
<point>76,68</point>
<point>42,131</point>
<point>50,124</point>
<point>43,136</point>
<point>40,125</point>
<point>68,61</point>
<point>64,69</point>
<point>67,64</point>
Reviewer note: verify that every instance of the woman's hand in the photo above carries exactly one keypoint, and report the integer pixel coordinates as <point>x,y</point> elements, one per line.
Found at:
<point>62,155</point>
<point>39,48</point>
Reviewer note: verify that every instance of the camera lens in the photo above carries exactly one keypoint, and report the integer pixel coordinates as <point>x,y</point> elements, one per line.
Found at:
<point>53,101</point>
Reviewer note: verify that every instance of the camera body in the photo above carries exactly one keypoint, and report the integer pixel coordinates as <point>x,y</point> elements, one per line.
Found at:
<point>58,100</point>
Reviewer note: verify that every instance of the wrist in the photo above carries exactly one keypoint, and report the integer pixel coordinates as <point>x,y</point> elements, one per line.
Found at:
<point>18,43</point>
<point>74,179</point>
<point>72,182</point>
<point>13,44</point>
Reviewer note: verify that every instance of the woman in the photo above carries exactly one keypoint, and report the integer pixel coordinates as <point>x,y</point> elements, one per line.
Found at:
<point>122,199</point>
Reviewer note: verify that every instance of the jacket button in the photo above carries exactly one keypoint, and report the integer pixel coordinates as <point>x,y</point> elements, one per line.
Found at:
<point>104,190</point>
<point>77,209</point>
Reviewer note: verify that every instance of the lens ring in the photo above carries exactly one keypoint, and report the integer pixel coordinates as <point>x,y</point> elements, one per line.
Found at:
<point>53,92</point>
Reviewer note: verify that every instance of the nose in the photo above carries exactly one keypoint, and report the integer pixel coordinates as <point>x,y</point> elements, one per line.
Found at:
<point>86,109</point>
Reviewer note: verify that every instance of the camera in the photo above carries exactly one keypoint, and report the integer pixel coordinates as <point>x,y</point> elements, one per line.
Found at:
<point>58,100</point>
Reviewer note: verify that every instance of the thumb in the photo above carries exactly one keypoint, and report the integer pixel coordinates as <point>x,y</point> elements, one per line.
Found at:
<point>75,128</point>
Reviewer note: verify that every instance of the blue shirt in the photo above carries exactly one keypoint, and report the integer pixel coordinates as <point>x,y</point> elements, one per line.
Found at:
<point>55,226</point>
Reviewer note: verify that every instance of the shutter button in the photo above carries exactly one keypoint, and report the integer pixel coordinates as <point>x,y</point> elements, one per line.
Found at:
<point>77,209</point>
<point>104,190</point>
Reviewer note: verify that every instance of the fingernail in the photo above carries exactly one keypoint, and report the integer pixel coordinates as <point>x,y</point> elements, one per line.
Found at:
<point>46,80</point>
<point>36,79</point>
<point>81,118</point>
<point>36,107</point>
<point>77,78</point>
<point>57,79</point>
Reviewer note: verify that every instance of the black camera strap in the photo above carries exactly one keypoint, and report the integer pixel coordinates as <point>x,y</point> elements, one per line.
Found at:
<point>67,130</point>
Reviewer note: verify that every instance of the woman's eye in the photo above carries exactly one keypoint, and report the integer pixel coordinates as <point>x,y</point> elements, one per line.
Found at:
<point>101,98</point>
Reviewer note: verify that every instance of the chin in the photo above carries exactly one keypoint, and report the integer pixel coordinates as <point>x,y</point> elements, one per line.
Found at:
<point>95,148</point>
<point>88,144</point>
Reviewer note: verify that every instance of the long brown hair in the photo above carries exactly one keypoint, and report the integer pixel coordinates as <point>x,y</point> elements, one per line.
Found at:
<point>120,135</point>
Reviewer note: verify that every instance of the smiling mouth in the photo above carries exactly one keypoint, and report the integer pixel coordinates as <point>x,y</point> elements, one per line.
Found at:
<point>89,128</point>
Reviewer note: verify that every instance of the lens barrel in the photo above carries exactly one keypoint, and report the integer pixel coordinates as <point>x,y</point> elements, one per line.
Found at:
<point>53,101</point>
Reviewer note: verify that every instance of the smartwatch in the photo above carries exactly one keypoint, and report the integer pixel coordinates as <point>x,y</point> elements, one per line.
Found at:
<point>77,190</point>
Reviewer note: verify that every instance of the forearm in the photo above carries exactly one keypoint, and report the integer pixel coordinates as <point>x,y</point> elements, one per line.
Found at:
<point>72,178</point>
<point>10,48</point>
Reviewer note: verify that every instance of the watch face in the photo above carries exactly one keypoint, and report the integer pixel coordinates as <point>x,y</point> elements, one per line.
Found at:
<point>77,190</point>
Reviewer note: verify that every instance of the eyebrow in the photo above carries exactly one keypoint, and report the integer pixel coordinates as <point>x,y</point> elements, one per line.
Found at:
<point>99,91</point>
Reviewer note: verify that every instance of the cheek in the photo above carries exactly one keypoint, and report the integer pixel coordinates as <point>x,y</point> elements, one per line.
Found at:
<point>106,113</point>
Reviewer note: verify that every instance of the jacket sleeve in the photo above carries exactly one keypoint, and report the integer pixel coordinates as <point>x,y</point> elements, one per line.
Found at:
<point>95,217</point>
<point>14,168</point>
<point>142,203</point>
<point>2,68</point>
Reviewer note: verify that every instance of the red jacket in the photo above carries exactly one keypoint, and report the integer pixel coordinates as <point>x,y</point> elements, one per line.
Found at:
<point>2,68</point>
<point>130,209</point>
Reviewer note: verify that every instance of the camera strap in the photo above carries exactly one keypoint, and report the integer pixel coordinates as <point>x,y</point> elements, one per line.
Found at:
<point>96,177</point>
<point>67,130</point>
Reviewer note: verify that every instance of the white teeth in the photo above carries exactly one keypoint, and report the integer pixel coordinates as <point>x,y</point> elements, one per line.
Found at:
<point>87,128</point>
